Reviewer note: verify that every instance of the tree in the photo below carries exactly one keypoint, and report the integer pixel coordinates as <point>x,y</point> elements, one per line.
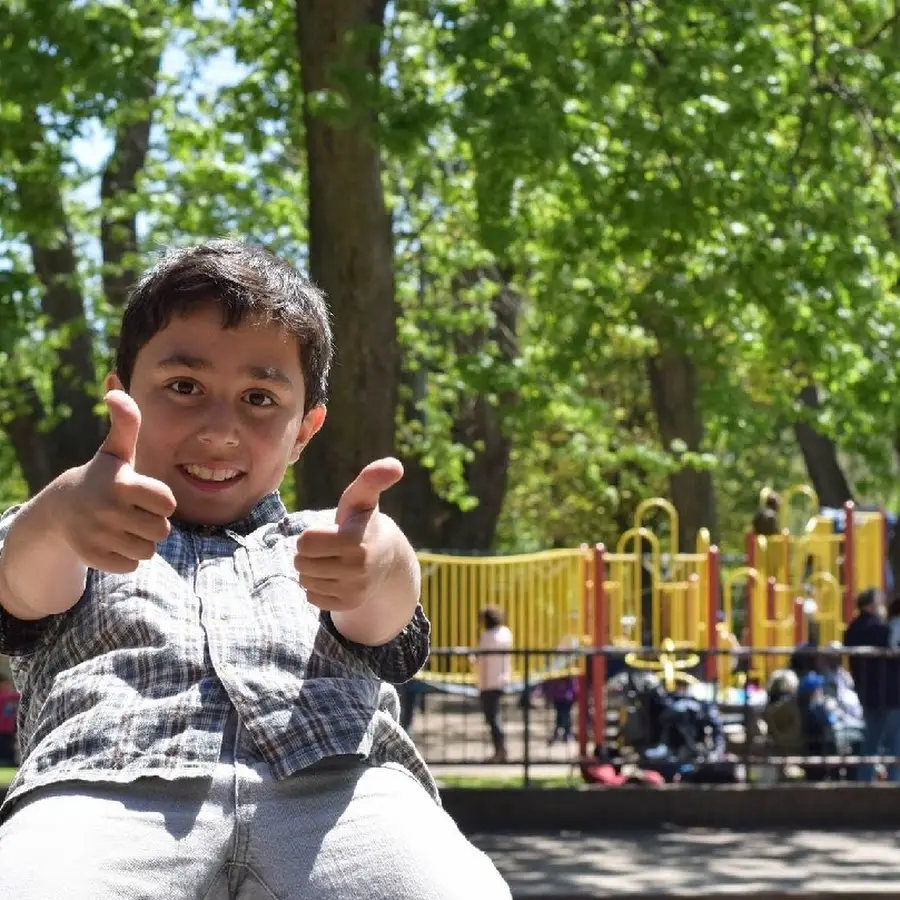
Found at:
<point>347,115</point>
<point>679,170</point>
<point>577,256</point>
<point>63,69</point>
<point>350,246</point>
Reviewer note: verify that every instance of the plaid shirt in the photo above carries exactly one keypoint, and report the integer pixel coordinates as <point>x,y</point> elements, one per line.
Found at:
<point>140,676</point>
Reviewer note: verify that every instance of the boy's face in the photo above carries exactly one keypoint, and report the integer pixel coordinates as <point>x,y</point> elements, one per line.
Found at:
<point>221,412</point>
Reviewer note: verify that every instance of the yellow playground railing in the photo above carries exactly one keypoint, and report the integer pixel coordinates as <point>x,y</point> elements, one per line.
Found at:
<point>820,564</point>
<point>542,596</point>
<point>650,591</point>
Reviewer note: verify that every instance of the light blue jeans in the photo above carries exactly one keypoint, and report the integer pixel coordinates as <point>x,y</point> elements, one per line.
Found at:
<point>881,737</point>
<point>353,833</point>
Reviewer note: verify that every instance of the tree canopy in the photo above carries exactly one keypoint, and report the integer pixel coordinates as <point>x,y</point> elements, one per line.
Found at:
<point>577,256</point>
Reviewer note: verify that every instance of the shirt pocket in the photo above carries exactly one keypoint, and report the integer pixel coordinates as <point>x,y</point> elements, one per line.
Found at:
<point>290,624</point>
<point>144,608</point>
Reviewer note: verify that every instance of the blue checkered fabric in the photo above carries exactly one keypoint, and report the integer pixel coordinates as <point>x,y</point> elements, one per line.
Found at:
<point>140,676</point>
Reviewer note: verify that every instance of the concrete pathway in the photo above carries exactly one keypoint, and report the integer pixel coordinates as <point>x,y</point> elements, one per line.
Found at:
<point>698,864</point>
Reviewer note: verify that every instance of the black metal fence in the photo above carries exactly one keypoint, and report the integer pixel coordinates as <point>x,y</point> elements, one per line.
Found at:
<point>747,715</point>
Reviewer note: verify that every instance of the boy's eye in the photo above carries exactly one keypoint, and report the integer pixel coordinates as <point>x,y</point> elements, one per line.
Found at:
<point>183,386</point>
<point>259,398</point>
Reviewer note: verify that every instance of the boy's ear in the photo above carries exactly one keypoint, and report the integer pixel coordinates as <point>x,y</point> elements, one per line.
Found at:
<point>311,423</point>
<point>112,382</point>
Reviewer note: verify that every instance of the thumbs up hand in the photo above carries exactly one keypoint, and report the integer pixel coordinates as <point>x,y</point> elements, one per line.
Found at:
<point>124,427</point>
<point>113,516</point>
<point>342,566</point>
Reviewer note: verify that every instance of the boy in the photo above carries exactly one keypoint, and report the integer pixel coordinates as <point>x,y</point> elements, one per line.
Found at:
<point>204,707</point>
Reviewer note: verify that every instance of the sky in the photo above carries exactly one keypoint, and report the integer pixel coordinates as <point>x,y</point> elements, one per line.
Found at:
<point>93,147</point>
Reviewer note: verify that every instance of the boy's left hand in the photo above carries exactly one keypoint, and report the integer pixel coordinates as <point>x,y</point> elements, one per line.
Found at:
<point>343,565</point>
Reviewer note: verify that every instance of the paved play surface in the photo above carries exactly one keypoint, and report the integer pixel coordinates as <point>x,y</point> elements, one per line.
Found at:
<point>698,864</point>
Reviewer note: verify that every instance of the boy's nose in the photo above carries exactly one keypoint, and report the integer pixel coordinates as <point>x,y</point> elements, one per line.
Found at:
<point>219,427</point>
<point>224,440</point>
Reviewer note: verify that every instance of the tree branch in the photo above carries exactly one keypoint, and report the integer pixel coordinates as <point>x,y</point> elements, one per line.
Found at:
<point>21,418</point>
<point>806,113</point>
<point>118,223</point>
<point>49,237</point>
<point>879,32</point>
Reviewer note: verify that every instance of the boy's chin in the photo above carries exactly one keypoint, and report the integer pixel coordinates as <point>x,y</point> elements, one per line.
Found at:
<point>211,511</point>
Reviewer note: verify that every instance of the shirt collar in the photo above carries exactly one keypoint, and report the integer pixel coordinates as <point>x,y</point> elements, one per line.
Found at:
<point>266,512</point>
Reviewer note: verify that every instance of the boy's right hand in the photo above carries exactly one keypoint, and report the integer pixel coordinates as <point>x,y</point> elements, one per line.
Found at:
<point>113,517</point>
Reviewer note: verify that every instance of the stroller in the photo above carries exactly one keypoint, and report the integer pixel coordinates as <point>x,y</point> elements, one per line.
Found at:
<point>674,734</point>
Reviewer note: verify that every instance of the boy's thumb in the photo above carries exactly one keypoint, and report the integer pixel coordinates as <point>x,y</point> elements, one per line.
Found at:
<point>124,425</point>
<point>364,492</point>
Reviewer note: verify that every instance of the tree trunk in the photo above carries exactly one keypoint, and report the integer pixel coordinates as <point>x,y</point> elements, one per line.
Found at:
<point>76,431</point>
<point>820,455</point>
<point>350,248</point>
<point>674,393</point>
<point>429,520</point>
<point>118,221</point>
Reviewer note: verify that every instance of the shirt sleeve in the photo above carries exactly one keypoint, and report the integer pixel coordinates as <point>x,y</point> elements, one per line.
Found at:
<point>17,636</point>
<point>398,660</point>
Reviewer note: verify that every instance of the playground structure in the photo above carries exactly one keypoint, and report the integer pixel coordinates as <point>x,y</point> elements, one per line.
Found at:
<point>648,592</point>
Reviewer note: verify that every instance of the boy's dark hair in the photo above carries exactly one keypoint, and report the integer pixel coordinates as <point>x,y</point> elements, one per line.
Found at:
<point>244,281</point>
<point>492,617</point>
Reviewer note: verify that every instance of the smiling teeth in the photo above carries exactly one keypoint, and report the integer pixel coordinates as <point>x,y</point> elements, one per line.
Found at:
<point>212,474</point>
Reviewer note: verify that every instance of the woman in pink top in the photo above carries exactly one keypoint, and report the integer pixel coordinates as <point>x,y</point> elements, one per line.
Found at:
<point>494,674</point>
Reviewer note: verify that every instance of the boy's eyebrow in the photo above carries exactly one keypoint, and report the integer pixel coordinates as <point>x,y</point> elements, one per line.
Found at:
<point>184,361</point>
<point>258,373</point>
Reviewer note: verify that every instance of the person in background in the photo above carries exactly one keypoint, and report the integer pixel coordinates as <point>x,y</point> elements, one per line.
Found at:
<point>562,692</point>
<point>494,674</point>
<point>893,623</point>
<point>9,709</point>
<point>877,681</point>
<point>839,684</point>
<point>765,522</point>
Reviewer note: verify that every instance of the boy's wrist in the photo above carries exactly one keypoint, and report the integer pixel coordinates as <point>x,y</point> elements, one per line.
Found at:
<point>39,547</point>
<point>59,501</point>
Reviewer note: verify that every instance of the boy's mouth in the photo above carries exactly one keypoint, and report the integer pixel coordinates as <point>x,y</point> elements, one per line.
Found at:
<point>211,479</point>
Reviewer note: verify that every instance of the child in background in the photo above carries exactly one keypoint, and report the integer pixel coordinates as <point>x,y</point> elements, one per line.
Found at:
<point>494,675</point>
<point>562,693</point>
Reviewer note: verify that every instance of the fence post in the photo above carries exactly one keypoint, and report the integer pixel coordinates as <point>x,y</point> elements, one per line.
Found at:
<point>799,621</point>
<point>586,588</point>
<point>849,562</point>
<point>750,549</point>
<point>712,612</point>
<point>771,585</point>
<point>786,538</point>
<point>526,758</point>
<point>598,660</point>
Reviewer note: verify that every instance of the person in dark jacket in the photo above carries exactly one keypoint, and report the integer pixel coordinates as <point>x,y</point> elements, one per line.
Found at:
<point>765,522</point>
<point>877,680</point>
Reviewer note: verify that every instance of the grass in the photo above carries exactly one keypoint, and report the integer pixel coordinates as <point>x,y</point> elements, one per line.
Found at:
<point>450,781</point>
<point>511,782</point>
